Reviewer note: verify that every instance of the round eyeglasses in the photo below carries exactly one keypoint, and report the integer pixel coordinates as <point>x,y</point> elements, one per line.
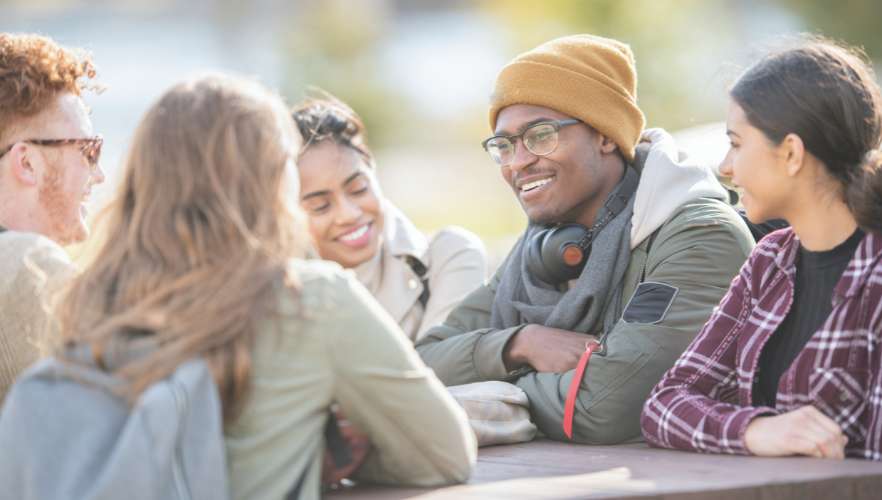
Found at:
<point>539,139</point>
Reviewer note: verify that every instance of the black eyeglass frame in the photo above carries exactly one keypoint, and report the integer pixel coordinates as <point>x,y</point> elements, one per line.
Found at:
<point>557,124</point>
<point>84,143</point>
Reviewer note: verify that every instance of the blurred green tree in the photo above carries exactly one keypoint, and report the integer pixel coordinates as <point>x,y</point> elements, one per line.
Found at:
<point>332,45</point>
<point>856,22</point>
<point>676,44</point>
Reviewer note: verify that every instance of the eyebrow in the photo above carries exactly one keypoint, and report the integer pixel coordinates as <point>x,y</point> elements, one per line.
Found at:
<point>326,192</point>
<point>524,127</point>
<point>732,132</point>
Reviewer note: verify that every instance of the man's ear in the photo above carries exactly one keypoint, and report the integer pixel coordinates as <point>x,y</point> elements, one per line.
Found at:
<point>21,160</point>
<point>792,152</point>
<point>607,145</point>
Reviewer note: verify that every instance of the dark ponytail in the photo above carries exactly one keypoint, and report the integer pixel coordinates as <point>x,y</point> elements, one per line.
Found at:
<point>826,94</point>
<point>865,194</point>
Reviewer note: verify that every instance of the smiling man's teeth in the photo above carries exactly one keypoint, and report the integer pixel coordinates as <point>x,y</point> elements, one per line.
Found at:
<point>354,235</point>
<point>533,185</point>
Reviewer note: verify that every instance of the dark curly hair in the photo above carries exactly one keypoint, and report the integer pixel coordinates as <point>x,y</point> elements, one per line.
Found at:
<point>326,118</point>
<point>33,71</point>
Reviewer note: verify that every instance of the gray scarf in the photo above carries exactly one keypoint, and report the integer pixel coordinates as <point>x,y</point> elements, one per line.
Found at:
<point>589,305</point>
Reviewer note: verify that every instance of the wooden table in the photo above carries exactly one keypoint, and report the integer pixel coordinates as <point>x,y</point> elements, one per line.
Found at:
<point>547,469</point>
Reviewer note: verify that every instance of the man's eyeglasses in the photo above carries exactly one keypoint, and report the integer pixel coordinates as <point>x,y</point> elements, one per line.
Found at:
<point>90,147</point>
<point>539,139</point>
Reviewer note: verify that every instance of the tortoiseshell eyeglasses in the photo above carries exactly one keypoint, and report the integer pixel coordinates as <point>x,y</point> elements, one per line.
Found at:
<point>90,147</point>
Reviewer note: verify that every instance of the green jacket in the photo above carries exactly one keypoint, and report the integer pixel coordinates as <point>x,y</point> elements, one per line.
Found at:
<point>335,343</point>
<point>698,250</point>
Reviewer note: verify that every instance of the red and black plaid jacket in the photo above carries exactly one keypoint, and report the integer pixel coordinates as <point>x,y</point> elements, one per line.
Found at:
<point>703,403</point>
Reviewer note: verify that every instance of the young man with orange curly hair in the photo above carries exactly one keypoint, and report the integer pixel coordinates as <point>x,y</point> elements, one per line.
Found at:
<point>48,165</point>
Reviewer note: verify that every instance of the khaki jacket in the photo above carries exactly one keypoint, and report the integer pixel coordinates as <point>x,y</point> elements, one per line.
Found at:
<point>334,343</point>
<point>455,261</point>
<point>698,251</point>
<point>32,268</point>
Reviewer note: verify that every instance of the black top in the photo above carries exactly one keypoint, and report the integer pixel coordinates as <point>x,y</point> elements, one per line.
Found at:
<point>817,274</point>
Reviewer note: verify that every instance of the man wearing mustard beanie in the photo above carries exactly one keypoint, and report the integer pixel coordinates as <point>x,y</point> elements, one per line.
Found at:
<point>628,247</point>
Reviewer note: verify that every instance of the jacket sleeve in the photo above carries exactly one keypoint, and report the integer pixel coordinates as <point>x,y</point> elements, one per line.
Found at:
<point>464,349</point>
<point>458,265</point>
<point>697,253</point>
<point>873,446</point>
<point>691,408</point>
<point>384,388</point>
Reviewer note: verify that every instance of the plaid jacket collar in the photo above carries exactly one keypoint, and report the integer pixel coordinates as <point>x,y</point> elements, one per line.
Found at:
<point>868,252</point>
<point>858,272</point>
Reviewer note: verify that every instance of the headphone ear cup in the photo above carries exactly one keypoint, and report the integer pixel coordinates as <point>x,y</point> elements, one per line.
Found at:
<point>562,257</point>
<point>535,260</point>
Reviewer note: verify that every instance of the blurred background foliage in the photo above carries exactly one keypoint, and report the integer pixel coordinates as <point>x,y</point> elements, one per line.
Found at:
<point>420,71</point>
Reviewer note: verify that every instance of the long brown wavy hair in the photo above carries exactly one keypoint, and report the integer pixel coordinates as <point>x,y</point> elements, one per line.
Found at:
<point>197,239</point>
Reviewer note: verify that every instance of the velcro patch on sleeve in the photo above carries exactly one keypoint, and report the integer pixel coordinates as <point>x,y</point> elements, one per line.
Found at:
<point>650,303</point>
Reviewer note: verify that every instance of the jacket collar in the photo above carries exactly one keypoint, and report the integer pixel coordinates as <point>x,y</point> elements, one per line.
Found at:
<point>785,258</point>
<point>388,276</point>
<point>860,267</point>
<point>400,236</point>
<point>668,180</point>
<point>867,255</point>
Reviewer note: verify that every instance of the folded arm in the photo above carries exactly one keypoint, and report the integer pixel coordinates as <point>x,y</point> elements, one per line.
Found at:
<point>695,260</point>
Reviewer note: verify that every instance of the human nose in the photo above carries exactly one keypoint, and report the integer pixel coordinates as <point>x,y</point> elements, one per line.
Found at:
<point>725,167</point>
<point>99,174</point>
<point>347,212</point>
<point>522,157</point>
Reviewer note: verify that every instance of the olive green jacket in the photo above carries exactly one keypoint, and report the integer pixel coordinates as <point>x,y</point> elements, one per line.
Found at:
<point>334,343</point>
<point>698,250</point>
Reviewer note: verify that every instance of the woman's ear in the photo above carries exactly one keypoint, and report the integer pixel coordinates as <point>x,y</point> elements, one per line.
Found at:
<point>792,152</point>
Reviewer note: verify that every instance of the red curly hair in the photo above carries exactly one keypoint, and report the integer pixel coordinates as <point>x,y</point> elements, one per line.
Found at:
<point>33,71</point>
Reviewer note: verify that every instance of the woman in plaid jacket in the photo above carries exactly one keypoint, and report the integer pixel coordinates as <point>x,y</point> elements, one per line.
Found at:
<point>790,362</point>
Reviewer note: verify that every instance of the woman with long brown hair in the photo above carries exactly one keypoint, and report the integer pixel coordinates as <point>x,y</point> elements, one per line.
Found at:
<point>789,363</point>
<point>203,258</point>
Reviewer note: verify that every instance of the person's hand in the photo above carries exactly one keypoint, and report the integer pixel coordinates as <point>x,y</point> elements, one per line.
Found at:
<point>546,349</point>
<point>359,446</point>
<point>805,431</point>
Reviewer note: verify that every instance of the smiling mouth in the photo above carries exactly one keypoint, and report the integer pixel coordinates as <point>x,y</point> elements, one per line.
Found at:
<point>530,186</point>
<point>356,234</point>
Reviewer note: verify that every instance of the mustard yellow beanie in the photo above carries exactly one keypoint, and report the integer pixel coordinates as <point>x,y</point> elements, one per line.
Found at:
<point>585,76</point>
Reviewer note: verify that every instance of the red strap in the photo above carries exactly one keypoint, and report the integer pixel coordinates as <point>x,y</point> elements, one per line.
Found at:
<point>570,405</point>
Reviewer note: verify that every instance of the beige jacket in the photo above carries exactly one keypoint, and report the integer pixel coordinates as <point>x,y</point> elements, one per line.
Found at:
<point>334,343</point>
<point>31,266</point>
<point>456,262</point>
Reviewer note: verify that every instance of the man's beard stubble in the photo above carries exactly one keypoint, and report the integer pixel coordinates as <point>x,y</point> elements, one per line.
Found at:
<point>57,205</point>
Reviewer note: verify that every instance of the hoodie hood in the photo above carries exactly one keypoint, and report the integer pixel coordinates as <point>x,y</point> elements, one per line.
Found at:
<point>667,181</point>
